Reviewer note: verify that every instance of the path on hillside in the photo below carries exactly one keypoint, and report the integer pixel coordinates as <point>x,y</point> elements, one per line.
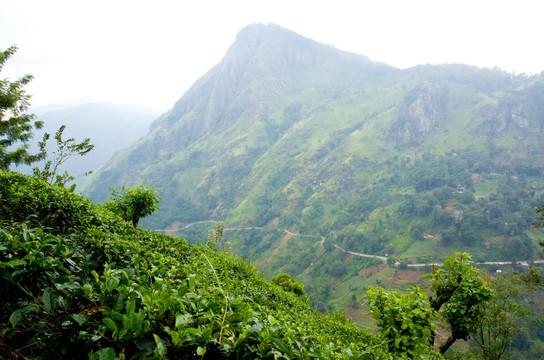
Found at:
<point>519,262</point>
<point>382,258</point>
<point>171,231</point>
<point>284,240</point>
<point>320,250</point>
<point>318,253</point>
<point>275,251</point>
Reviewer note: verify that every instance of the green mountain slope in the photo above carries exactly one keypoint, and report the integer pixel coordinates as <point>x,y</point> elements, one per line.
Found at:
<point>78,282</point>
<point>299,147</point>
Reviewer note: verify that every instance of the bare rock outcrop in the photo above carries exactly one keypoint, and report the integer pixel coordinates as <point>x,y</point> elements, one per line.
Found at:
<point>419,114</point>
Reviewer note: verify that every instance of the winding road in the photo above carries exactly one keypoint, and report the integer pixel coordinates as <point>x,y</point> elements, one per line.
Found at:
<point>320,249</point>
<point>382,258</point>
<point>519,262</point>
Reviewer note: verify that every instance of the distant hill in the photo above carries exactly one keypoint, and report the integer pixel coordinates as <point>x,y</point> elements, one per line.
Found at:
<point>110,127</point>
<point>299,147</point>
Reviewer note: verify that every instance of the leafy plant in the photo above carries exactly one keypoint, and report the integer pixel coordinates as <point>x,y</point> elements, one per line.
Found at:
<point>459,295</point>
<point>507,315</point>
<point>406,321</point>
<point>215,236</point>
<point>134,203</point>
<point>65,150</point>
<point>15,125</point>
<point>288,284</point>
<point>99,288</point>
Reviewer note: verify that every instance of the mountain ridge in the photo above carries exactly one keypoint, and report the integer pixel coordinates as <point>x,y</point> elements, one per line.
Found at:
<point>288,133</point>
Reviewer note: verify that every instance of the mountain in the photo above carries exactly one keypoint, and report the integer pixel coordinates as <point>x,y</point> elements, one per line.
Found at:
<point>111,127</point>
<point>312,156</point>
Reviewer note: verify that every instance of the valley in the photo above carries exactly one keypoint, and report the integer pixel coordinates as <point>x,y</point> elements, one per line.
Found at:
<point>411,200</point>
<point>287,136</point>
<point>287,133</point>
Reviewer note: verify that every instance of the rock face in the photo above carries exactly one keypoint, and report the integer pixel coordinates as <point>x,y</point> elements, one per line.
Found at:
<point>267,54</point>
<point>519,110</point>
<point>419,114</point>
<point>505,118</point>
<point>264,66</point>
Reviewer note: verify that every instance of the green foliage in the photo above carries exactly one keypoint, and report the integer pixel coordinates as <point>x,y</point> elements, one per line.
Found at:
<point>539,223</point>
<point>15,125</point>
<point>506,316</point>
<point>98,288</point>
<point>65,150</point>
<point>23,197</point>
<point>288,284</point>
<point>459,295</point>
<point>134,203</point>
<point>330,144</point>
<point>215,237</point>
<point>406,321</point>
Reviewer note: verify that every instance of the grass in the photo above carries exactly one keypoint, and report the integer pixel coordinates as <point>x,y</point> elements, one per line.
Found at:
<point>486,188</point>
<point>421,248</point>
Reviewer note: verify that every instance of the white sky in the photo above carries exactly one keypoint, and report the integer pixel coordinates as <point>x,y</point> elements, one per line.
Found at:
<point>151,52</point>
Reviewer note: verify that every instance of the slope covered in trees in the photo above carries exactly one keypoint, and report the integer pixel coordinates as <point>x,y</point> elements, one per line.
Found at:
<point>287,133</point>
<point>78,281</point>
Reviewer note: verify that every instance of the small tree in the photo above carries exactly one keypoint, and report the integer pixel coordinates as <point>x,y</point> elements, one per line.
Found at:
<point>506,316</point>
<point>539,223</point>
<point>15,125</point>
<point>459,295</point>
<point>215,237</point>
<point>134,203</point>
<point>65,150</point>
<point>406,321</point>
<point>288,284</point>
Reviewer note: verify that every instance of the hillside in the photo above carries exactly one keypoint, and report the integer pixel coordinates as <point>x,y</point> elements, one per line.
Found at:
<point>299,147</point>
<point>78,282</point>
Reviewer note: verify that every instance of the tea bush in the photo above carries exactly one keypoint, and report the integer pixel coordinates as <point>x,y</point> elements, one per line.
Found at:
<point>78,282</point>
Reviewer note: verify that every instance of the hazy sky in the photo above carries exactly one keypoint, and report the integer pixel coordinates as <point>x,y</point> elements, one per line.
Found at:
<point>151,52</point>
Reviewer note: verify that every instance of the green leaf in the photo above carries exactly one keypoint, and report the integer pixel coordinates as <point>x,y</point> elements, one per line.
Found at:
<point>183,319</point>
<point>50,301</point>
<point>18,314</point>
<point>191,279</point>
<point>79,318</point>
<point>426,332</point>
<point>200,350</point>
<point>64,302</point>
<point>111,325</point>
<point>16,262</point>
<point>119,303</point>
<point>161,346</point>
<point>105,354</point>
<point>95,274</point>
<point>281,344</point>
<point>111,283</point>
